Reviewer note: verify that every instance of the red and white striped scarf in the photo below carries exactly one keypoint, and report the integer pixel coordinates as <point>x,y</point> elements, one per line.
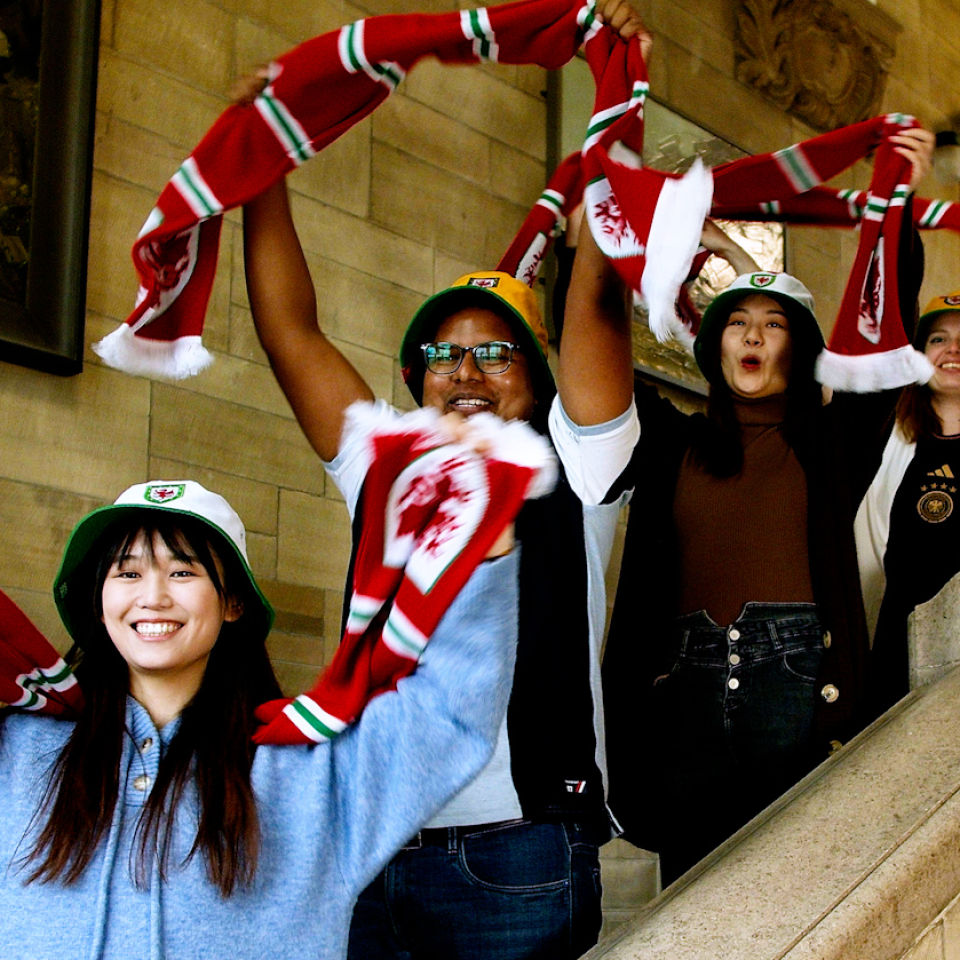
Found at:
<point>431,511</point>
<point>648,222</point>
<point>316,92</point>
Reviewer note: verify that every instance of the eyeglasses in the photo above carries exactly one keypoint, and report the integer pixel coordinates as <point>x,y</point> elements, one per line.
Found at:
<point>446,358</point>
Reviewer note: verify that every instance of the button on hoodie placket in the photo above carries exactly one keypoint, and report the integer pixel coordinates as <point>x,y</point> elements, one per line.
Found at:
<point>144,762</point>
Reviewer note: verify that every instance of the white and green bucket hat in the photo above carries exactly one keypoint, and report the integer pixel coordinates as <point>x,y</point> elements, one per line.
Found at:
<point>185,497</point>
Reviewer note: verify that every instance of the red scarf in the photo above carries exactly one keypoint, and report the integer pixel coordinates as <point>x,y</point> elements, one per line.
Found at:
<point>648,222</point>
<point>33,676</point>
<point>431,511</point>
<point>316,92</point>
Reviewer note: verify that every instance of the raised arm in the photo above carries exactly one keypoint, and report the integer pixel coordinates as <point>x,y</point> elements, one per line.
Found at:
<point>318,381</point>
<point>595,373</point>
<point>721,245</point>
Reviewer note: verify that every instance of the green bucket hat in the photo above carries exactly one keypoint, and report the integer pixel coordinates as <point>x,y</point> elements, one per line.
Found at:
<point>185,497</point>
<point>491,290</point>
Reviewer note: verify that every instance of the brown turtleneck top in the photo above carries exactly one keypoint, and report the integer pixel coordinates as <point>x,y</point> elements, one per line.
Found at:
<point>744,538</point>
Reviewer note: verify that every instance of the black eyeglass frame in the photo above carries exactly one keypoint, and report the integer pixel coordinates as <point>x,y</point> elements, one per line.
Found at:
<point>512,347</point>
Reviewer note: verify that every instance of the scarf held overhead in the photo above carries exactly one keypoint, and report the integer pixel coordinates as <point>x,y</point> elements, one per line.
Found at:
<point>431,511</point>
<point>315,93</point>
<point>648,223</point>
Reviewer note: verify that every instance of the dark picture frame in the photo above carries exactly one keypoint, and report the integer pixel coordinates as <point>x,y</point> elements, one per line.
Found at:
<point>47,331</point>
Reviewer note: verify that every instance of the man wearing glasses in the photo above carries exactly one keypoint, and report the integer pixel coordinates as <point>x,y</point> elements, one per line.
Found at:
<point>509,868</point>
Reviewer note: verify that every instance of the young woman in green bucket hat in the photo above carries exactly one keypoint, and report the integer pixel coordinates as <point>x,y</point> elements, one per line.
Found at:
<point>151,824</point>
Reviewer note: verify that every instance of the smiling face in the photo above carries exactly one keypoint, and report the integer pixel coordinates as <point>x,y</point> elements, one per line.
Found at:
<point>163,613</point>
<point>942,348</point>
<point>468,390</point>
<point>756,349</point>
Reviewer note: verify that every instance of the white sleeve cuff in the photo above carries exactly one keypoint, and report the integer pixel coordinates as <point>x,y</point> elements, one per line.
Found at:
<point>593,457</point>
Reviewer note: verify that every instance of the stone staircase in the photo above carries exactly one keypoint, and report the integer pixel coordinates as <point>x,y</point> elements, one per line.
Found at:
<point>859,861</point>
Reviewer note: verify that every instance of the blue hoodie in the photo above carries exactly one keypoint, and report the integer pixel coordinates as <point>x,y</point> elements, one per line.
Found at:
<point>331,816</point>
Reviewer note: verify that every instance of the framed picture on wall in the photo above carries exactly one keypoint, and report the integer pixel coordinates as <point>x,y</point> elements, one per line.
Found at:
<point>671,143</point>
<point>48,68</point>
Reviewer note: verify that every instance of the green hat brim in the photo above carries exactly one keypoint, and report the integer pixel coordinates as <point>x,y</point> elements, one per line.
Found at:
<point>924,323</point>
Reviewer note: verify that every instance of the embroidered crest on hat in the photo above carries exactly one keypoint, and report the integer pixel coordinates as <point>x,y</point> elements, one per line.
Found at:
<point>487,282</point>
<point>761,279</point>
<point>163,493</point>
<point>953,300</point>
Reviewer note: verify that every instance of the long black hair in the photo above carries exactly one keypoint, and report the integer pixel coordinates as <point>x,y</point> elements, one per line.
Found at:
<point>211,748</point>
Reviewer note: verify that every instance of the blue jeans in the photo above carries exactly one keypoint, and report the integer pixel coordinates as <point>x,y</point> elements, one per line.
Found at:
<point>508,892</point>
<point>733,724</point>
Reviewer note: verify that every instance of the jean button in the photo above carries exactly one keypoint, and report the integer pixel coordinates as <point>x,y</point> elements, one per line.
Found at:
<point>734,634</point>
<point>733,683</point>
<point>734,658</point>
<point>830,693</point>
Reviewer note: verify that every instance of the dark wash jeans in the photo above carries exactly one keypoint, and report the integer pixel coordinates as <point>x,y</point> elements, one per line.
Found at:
<point>733,724</point>
<point>527,890</point>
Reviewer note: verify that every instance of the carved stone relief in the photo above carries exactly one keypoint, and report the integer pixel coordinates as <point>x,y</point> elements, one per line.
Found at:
<point>813,59</point>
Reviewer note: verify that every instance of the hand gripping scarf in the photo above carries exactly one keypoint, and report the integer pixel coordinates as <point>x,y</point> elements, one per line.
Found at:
<point>431,511</point>
<point>33,676</point>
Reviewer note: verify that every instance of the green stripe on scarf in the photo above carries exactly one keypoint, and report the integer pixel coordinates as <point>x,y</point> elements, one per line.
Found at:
<point>190,188</point>
<point>312,721</point>
<point>793,161</point>
<point>403,641</point>
<point>287,134</point>
<point>351,47</point>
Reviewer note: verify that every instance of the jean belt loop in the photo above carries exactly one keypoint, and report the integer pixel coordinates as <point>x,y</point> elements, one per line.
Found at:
<point>774,634</point>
